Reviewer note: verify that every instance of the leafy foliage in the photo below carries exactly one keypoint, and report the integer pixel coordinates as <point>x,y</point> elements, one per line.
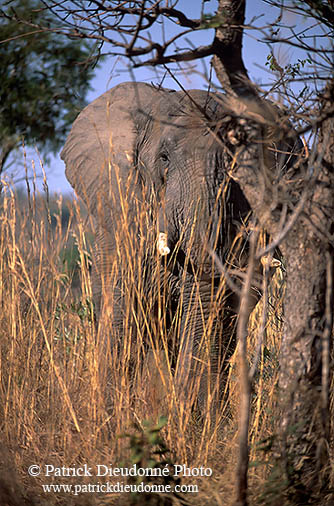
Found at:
<point>149,451</point>
<point>291,69</point>
<point>44,78</point>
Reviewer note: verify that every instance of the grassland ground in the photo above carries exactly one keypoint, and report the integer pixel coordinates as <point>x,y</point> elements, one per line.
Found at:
<point>68,400</point>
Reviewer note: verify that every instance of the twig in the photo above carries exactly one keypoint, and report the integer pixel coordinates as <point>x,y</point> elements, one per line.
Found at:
<point>245,381</point>
<point>325,349</point>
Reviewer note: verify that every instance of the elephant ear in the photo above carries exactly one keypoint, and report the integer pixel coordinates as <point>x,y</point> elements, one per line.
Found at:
<point>99,151</point>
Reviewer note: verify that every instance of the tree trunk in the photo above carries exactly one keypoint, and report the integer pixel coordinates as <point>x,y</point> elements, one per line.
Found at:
<point>307,194</point>
<point>7,146</point>
<point>307,339</point>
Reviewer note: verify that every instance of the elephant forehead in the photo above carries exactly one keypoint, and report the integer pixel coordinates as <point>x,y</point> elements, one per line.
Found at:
<point>195,141</point>
<point>188,125</point>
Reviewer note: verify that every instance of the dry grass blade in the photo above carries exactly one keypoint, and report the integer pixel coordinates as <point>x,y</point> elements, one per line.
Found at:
<point>69,386</point>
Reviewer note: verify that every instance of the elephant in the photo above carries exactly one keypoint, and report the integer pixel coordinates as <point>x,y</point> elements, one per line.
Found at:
<point>159,160</point>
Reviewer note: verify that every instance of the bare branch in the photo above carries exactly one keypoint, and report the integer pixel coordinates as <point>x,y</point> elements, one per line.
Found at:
<point>245,381</point>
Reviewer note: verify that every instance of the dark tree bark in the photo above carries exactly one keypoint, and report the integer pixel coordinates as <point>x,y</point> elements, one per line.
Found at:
<point>307,195</point>
<point>307,339</point>
<point>6,148</point>
<point>227,48</point>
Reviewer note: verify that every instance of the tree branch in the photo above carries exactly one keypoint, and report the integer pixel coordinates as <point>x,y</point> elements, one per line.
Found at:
<point>227,49</point>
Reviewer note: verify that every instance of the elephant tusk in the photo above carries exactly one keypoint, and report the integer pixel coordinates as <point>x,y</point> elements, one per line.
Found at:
<point>273,262</point>
<point>163,249</point>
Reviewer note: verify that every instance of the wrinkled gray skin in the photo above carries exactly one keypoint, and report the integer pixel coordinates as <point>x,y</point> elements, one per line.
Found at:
<point>164,148</point>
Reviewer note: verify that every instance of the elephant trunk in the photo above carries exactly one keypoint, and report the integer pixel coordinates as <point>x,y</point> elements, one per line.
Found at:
<point>193,215</point>
<point>205,214</point>
<point>207,341</point>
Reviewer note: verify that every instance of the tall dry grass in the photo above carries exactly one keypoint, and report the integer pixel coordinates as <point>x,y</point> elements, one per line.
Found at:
<point>69,387</point>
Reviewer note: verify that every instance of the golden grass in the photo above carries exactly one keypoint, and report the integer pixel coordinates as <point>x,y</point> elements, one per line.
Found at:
<point>66,393</point>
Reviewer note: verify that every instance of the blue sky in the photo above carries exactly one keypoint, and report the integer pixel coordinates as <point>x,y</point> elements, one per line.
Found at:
<point>114,70</point>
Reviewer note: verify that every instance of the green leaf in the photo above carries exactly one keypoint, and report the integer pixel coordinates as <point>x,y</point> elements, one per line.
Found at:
<point>44,78</point>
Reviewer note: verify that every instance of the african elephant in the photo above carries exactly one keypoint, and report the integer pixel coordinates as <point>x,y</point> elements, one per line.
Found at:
<point>159,159</point>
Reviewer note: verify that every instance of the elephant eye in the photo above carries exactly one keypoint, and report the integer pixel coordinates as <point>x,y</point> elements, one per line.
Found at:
<point>164,157</point>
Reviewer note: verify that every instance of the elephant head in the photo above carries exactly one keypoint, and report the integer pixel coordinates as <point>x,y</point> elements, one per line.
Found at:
<point>140,144</point>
